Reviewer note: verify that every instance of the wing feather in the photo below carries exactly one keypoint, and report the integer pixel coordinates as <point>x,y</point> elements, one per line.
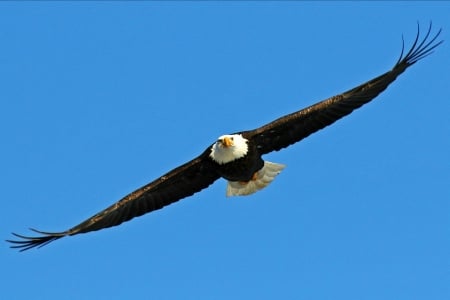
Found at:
<point>171,187</point>
<point>294,127</point>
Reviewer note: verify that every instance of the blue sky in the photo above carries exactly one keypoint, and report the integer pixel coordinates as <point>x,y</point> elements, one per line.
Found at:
<point>100,98</point>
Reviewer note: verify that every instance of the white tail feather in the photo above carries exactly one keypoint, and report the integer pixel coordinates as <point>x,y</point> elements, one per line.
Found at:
<point>263,178</point>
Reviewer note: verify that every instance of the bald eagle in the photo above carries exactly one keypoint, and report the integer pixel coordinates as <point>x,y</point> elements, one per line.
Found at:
<point>237,157</point>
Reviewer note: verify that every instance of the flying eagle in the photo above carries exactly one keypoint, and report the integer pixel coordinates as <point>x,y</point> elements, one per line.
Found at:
<point>237,157</point>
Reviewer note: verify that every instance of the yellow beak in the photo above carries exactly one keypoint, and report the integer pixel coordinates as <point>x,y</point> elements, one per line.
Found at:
<point>227,142</point>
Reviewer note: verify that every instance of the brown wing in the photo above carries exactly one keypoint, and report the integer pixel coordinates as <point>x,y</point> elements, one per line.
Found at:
<point>173,186</point>
<point>294,127</point>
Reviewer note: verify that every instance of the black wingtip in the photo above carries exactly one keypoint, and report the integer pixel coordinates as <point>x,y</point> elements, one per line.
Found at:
<point>420,48</point>
<point>27,242</point>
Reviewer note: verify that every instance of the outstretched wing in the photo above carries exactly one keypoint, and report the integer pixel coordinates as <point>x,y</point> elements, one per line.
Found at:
<point>173,186</point>
<point>294,127</point>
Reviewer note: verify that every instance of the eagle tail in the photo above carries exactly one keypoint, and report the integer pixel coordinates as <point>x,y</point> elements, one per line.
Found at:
<point>261,179</point>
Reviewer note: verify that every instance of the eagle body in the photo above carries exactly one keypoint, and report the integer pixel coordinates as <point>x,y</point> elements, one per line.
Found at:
<point>238,157</point>
<point>239,161</point>
<point>241,169</point>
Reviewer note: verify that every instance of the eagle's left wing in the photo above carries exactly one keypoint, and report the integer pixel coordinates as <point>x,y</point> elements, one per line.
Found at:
<point>179,183</point>
<point>294,127</point>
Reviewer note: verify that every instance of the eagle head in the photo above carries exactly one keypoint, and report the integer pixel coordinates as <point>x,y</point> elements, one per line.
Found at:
<point>229,147</point>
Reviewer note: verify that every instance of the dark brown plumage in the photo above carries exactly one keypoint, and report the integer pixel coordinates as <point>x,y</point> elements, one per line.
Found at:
<point>294,127</point>
<point>202,171</point>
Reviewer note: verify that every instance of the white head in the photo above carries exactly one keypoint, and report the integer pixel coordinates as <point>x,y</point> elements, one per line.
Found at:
<point>229,147</point>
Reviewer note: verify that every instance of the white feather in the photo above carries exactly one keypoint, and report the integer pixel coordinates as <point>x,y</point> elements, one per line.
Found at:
<point>223,155</point>
<point>263,178</point>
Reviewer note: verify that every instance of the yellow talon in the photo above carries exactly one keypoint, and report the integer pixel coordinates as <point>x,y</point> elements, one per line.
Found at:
<point>254,177</point>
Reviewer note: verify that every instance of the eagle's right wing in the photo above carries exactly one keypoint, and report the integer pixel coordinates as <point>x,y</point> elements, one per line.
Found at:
<point>179,183</point>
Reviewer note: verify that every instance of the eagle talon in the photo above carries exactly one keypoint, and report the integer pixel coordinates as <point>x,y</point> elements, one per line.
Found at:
<point>254,177</point>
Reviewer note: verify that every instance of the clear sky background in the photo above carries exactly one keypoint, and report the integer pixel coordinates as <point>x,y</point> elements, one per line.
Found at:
<point>97,99</point>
